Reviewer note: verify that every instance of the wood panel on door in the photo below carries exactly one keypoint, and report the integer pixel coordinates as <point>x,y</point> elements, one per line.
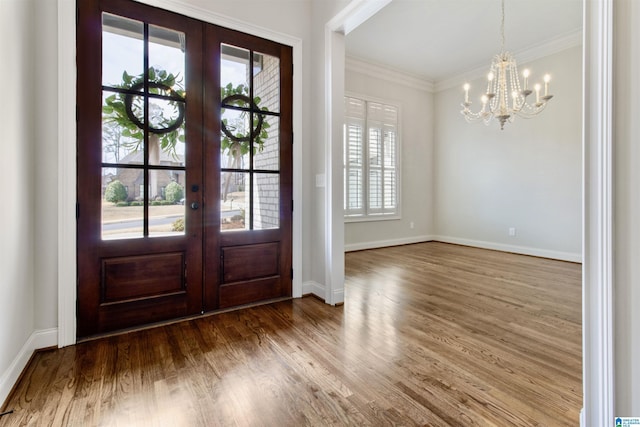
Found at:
<point>175,218</point>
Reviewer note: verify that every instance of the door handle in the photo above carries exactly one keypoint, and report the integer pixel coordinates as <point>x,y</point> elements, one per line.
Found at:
<point>195,206</point>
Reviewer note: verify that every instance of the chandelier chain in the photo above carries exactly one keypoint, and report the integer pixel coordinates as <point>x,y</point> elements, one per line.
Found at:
<point>502,27</point>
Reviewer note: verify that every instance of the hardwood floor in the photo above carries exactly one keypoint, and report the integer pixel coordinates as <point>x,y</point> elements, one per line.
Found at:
<point>430,334</point>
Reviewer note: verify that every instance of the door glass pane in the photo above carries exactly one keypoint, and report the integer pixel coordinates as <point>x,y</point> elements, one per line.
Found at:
<point>166,57</point>
<point>166,141</point>
<point>234,74</point>
<point>234,204</point>
<point>166,111</point>
<point>267,143</point>
<point>164,152</point>
<point>266,201</point>
<point>266,82</point>
<point>167,207</point>
<point>122,140</point>
<point>122,49</point>
<point>235,139</point>
<point>122,209</point>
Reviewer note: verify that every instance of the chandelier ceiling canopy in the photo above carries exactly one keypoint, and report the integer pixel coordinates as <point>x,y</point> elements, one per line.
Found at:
<point>505,98</point>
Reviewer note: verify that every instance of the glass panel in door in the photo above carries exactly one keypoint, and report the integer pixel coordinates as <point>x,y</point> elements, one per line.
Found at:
<point>249,139</point>
<point>143,129</point>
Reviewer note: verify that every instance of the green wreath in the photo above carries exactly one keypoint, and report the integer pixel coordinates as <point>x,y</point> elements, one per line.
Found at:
<point>236,140</point>
<point>126,109</point>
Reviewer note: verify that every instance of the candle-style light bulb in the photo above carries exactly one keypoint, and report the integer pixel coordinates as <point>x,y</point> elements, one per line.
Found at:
<point>490,77</point>
<point>466,92</point>
<point>525,73</point>
<point>547,79</point>
<point>537,88</point>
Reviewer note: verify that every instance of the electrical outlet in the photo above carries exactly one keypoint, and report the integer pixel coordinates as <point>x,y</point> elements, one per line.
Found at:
<point>512,231</point>
<point>411,225</point>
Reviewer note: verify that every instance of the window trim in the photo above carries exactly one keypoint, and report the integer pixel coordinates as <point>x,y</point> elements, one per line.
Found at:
<point>366,216</point>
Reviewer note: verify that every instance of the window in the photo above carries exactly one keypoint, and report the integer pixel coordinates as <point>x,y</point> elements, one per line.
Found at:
<point>371,161</point>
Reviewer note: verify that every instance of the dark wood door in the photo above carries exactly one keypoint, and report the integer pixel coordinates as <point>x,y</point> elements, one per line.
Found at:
<point>184,187</point>
<point>249,154</point>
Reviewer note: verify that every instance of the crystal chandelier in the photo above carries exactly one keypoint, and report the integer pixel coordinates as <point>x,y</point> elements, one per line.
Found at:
<point>504,98</point>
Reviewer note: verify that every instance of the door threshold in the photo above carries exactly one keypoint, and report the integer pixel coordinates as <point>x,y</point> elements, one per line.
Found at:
<point>178,320</point>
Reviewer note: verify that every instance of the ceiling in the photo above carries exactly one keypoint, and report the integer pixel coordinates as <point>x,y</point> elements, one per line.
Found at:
<point>437,39</point>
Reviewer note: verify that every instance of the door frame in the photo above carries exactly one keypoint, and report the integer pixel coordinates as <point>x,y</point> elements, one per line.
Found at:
<point>67,263</point>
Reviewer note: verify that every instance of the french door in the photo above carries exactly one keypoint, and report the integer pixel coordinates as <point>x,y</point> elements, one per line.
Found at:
<point>184,166</point>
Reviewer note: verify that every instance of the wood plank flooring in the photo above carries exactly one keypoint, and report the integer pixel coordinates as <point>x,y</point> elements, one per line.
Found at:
<point>430,334</point>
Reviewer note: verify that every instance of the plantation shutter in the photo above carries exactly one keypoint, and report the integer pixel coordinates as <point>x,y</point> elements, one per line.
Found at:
<point>354,156</point>
<point>370,158</point>
<point>382,130</point>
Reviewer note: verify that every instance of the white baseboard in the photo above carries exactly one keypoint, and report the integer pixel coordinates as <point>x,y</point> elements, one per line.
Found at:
<point>39,339</point>
<point>338,296</point>
<point>314,288</point>
<point>385,243</point>
<point>523,250</point>
<point>319,290</point>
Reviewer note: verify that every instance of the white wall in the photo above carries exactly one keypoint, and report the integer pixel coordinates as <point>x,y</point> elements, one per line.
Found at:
<point>527,176</point>
<point>416,133</point>
<point>626,167</point>
<point>17,214</point>
<point>46,166</point>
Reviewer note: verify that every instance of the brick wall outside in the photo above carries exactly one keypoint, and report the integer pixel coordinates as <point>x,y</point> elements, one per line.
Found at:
<point>267,186</point>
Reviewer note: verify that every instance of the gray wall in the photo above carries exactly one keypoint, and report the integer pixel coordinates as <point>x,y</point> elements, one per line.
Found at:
<point>19,122</point>
<point>527,176</point>
<point>416,180</point>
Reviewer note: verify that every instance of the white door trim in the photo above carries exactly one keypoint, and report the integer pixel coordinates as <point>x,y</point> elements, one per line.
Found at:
<point>597,285</point>
<point>354,14</point>
<point>67,278</point>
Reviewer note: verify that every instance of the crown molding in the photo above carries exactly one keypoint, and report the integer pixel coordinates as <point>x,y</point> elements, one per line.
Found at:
<point>546,48</point>
<point>384,72</point>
